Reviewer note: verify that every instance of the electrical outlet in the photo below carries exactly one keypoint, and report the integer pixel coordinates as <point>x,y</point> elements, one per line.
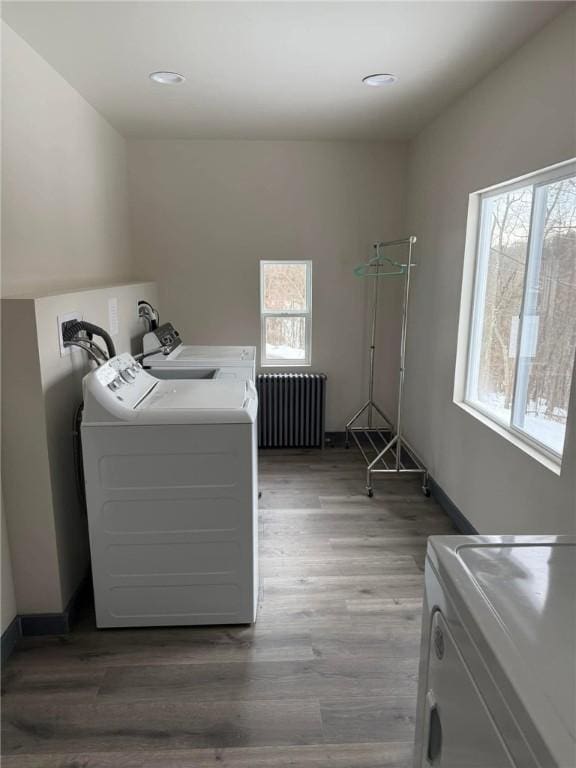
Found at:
<point>65,318</point>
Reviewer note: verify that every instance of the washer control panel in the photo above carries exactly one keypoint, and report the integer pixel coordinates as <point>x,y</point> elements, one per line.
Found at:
<point>167,336</point>
<point>125,377</point>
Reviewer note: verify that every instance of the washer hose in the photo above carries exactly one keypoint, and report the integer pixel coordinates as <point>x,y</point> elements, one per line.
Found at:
<point>78,461</point>
<point>147,311</point>
<point>73,327</point>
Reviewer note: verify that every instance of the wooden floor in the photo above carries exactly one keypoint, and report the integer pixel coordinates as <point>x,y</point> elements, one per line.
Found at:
<point>327,677</point>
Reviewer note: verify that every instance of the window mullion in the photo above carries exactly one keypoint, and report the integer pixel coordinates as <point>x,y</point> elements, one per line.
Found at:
<point>528,307</point>
<point>285,313</point>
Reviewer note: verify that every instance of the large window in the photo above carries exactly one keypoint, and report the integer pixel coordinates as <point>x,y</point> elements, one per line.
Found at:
<point>523,328</point>
<point>286,312</point>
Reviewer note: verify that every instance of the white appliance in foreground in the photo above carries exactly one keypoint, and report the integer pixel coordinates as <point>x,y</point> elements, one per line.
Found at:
<point>498,662</point>
<point>171,487</point>
<point>186,361</point>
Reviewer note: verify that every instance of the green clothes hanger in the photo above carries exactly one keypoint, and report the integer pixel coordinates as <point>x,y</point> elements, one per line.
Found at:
<point>373,267</point>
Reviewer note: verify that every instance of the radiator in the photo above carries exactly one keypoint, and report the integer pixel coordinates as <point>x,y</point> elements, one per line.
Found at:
<point>291,409</point>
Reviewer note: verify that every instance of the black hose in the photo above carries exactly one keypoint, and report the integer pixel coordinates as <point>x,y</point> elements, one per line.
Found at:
<point>72,328</point>
<point>78,461</point>
<point>151,316</point>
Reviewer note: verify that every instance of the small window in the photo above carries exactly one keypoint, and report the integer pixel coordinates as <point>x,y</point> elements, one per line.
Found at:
<point>523,327</point>
<point>286,312</point>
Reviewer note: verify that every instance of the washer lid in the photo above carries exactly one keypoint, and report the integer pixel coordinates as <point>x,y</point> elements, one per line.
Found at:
<point>185,401</point>
<point>517,595</point>
<point>210,357</point>
<point>187,394</point>
<point>120,392</point>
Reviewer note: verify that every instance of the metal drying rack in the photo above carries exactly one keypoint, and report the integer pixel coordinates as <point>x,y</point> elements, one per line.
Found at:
<point>384,447</point>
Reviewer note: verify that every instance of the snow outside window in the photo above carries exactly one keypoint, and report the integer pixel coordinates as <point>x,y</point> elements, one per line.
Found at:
<point>286,312</point>
<point>523,329</point>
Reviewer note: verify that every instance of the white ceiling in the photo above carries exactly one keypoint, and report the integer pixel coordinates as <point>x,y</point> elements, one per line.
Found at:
<point>274,70</point>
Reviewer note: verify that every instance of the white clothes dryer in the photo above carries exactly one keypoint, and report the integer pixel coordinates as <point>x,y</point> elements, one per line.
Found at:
<point>497,686</point>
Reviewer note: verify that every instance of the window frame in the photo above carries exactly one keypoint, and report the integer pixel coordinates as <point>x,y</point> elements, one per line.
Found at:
<point>473,307</point>
<point>306,314</point>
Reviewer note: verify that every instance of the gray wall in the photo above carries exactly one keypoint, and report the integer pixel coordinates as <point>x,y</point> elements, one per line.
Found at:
<point>519,119</point>
<point>205,212</point>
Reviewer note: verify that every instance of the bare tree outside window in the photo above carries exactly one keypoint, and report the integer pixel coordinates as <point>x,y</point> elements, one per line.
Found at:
<point>524,324</point>
<point>286,312</point>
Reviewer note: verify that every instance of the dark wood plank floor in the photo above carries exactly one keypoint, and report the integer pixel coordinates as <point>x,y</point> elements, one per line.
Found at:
<point>327,677</point>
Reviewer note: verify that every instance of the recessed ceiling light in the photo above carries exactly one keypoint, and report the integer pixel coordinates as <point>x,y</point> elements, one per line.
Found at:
<point>377,81</point>
<point>167,78</point>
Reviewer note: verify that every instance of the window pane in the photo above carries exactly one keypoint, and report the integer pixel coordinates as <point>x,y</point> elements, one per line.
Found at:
<point>505,227</point>
<point>284,287</point>
<point>285,338</point>
<point>549,323</point>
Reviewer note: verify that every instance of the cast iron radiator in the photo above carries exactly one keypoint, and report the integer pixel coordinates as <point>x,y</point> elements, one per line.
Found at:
<point>291,410</point>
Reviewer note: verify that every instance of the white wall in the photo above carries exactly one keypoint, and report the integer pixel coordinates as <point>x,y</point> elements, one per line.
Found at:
<point>8,608</point>
<point>25,464</point>
<point>64,225</point>
<point>64,205</point>
<point>205,213</point>
<point>520,118</point>
<point>41,390</point>
<point>8,595</point>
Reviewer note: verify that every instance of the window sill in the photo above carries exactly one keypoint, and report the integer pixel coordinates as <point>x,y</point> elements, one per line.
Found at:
<point>287,364</point>
<point>554,465</point>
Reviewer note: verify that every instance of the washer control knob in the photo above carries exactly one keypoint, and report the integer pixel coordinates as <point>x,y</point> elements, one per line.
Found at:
<point>127,375</point>
<point>115,384</point>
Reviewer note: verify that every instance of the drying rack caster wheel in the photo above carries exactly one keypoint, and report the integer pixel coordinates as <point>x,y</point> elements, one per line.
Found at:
<point>346,445</point>
<point>370,493</point>
<point>426,491</point>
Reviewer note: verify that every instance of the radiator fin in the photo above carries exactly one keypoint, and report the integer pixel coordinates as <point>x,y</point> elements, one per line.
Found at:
<point>291,410</point>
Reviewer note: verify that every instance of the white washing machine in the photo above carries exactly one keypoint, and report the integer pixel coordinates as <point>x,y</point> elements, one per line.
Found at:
<point>187,361</point>
<point>498,663</point>
<point>171,488</point>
